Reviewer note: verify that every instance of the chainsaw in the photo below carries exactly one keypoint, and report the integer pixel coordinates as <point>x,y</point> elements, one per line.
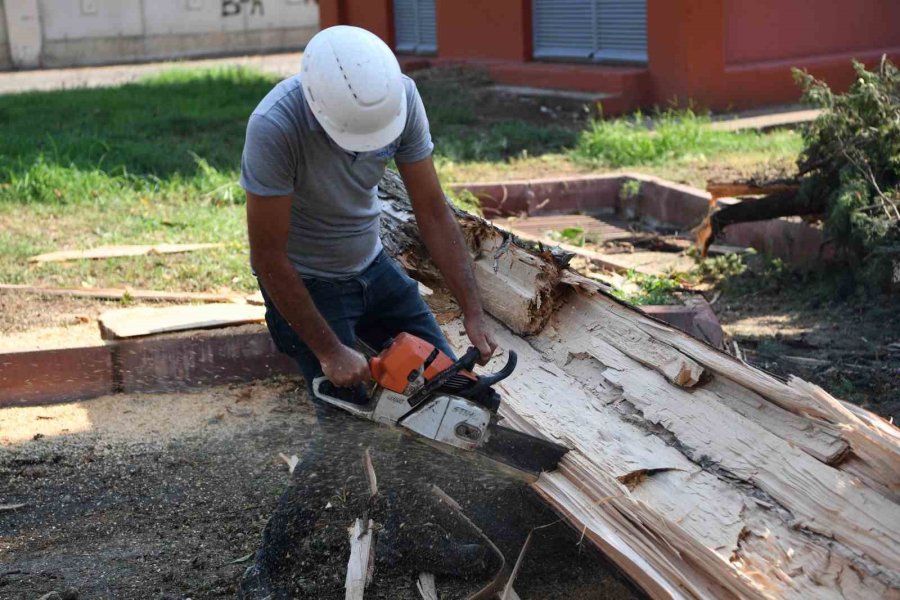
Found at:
<point>421,389</point>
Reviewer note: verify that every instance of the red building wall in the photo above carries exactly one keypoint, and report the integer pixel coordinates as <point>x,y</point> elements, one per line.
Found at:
<point>493,29</point>
<point>771,30</point>
<point>716,53</point>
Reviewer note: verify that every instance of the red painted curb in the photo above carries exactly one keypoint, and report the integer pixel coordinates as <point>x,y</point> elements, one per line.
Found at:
<point>164,365</point>
<point>656,201</point>
<point>696,318</point>
<point>148,365</point>
<point>788,238</point>
<point>28,378</point>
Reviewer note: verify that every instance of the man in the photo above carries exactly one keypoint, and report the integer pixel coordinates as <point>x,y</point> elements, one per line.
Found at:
<point>316,148</point>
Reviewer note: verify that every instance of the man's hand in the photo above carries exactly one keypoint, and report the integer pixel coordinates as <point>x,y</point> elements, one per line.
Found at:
<point>481,336</point>
<point>345,367</point>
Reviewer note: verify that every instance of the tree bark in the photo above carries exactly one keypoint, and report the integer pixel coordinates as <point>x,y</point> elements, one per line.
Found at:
<point>783,203</point>
<point>699,475</point>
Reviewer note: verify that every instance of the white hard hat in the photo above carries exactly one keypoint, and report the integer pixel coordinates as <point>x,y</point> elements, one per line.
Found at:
<point>352,82</point>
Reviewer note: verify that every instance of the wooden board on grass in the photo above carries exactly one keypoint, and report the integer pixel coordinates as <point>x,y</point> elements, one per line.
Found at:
<point>118,251</point>
<point>141,321</point>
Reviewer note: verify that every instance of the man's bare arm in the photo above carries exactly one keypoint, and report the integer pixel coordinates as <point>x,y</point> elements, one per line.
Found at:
<point>445,243</point>
<point>268,226</point>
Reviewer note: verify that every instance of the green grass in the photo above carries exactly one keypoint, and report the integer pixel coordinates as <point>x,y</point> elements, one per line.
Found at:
<point>675,136</point>
<point>154,161</point>
<point>157,161</point>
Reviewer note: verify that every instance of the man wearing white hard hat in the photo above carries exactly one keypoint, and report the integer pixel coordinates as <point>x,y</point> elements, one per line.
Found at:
<point>316,148</point>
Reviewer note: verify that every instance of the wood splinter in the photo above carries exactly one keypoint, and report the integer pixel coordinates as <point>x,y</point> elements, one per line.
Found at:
<point>361,565</point>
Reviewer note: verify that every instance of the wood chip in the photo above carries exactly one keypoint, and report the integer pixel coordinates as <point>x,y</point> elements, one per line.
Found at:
<point>291,462</point>
<point>426,586</point>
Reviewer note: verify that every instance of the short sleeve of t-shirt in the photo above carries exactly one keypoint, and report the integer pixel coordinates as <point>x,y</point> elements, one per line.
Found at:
<point>415,142</point>
<point>267,165</point>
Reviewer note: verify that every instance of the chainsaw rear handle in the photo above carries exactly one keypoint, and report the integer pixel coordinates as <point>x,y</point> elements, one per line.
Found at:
<point>486,381</point>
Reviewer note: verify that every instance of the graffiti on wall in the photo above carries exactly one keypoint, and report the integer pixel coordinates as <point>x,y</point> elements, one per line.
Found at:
<point>231,8</point>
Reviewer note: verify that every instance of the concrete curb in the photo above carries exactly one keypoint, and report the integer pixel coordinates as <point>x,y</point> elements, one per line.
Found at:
<point>656,202</point>
<point>696,318</point>
<point>142,365</point>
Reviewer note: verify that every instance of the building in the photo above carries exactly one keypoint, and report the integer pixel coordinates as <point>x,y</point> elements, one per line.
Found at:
<point>62,33</point>
<point>719,54</point>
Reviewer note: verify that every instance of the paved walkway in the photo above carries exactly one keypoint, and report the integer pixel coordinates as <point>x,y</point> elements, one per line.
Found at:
<point>765,119</point>
<point>79,77</point>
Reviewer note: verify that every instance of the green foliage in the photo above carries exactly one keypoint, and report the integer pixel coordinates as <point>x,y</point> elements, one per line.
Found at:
<point>651,289</point>
<point>713,269</point>
<point>852,158</point>
<point>570,235</point>
<point>675,135</point>
<point>630,189</point>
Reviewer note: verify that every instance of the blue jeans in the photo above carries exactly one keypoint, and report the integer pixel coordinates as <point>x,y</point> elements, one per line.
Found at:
<point>373,306</point>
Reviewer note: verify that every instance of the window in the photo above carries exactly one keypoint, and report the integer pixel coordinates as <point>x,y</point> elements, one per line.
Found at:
<point>415,27</point>
<point>600,30</point>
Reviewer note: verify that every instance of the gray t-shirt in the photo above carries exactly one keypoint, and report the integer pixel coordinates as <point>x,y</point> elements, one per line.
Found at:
<point>335,213</point>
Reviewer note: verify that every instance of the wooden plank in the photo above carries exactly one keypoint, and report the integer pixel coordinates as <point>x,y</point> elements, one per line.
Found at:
<point>102,252</point>
<point>143,320</point>
<point>361,556</point>
<point>122,293</point>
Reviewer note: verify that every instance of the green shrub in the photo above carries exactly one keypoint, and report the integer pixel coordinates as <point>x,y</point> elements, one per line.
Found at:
<point>852,160</point>
<point>651,289</point>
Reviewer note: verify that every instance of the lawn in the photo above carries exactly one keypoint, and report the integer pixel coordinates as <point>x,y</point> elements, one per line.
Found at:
<point>157,161</point>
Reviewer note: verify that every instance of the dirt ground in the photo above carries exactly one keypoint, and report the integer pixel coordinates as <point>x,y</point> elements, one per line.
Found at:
<point>167,496</point>
<point>843,346</point>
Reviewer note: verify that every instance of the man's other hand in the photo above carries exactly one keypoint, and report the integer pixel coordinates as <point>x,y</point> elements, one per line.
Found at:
<point>345,367</point>
<point>481,336</point>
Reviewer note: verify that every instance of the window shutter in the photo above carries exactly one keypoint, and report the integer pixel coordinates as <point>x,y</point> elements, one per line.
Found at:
<point>415,26</point>
<point>590,29</point>
<point>563,28</point>
<point>427,27</point>
<point>405,25</point>
<point>621,30</point>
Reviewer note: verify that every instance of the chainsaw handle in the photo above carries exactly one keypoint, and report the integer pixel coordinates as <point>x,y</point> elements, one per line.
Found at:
<point>468,360</point>
<point>486,381</point>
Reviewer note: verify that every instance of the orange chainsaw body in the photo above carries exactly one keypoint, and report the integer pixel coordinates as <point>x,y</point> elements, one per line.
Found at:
<point>405,360</point>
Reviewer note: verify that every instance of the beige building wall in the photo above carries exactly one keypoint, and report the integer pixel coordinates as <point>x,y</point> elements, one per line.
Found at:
<point>4,40</point>
<point>89,32</point>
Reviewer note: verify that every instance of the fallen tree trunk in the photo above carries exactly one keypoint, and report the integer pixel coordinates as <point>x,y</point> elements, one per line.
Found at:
<point>782,203</point>
<point>699,475</point>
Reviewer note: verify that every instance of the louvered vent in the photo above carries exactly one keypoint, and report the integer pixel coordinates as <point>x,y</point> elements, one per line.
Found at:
<point>601,30</point>
<point>415,26</point>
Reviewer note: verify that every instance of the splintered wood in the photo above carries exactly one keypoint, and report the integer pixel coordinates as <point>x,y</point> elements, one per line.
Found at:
<point>699,475</point>
<point>358,567</point>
